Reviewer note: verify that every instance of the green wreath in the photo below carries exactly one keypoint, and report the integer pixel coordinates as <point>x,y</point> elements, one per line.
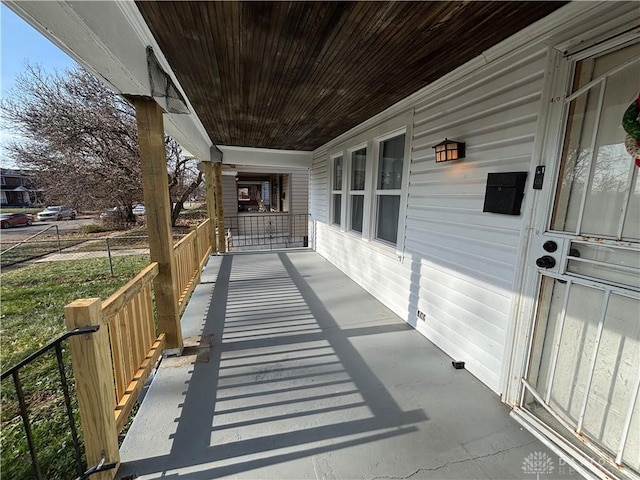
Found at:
<point>631,119</point>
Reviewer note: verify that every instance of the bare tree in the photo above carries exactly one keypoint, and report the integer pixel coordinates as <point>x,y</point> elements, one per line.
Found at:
<point>81,138</point>
<point>77,135</point>
<point>184,177</point>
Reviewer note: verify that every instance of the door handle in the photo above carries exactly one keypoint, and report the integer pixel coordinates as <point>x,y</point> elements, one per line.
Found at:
<point>546,261</point>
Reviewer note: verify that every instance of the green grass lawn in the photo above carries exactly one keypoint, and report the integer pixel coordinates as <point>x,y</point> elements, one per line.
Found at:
<point>31,210</point>
<point>31,312</point>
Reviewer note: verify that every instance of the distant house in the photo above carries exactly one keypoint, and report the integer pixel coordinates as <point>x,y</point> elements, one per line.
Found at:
<point>17,188</point>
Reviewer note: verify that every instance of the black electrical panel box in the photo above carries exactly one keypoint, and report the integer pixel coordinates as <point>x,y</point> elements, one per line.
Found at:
<point>504,192</point>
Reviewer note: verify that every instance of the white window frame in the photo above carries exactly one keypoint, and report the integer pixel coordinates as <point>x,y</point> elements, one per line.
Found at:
<point>370,139</point>
<point>332,162</point>
<point>402,192</point>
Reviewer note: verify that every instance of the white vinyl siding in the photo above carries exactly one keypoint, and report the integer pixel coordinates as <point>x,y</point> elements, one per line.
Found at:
<point>318,185</point>
<point>373,268</point>
<point>298,191</point>
<point>466,258</point>
<point>286,193</point>
<point>457,263</point>
<point>229,195</point>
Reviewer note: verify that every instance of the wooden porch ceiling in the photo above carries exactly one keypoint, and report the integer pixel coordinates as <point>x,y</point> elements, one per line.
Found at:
<point>294,75</point>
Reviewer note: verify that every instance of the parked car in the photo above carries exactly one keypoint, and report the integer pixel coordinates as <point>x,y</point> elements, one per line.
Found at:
<point>112,213</point>
<point>57,212</point>
<point>137,209</point>
<point>16,219</point>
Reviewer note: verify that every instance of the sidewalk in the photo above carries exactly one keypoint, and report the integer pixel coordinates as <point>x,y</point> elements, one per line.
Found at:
<point>58,257</point>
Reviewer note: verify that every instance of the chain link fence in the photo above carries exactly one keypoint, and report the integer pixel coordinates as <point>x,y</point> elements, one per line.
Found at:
<point>114,249</point>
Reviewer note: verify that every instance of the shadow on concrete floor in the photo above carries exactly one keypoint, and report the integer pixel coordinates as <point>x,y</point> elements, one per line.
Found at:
<point>310,377</point>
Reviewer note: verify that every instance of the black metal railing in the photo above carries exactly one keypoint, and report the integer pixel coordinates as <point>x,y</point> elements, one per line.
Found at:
<point>14,373</point>
<point>266,231</point>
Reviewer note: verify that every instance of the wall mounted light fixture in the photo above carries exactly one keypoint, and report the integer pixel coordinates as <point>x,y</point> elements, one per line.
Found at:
<point>449,150</point>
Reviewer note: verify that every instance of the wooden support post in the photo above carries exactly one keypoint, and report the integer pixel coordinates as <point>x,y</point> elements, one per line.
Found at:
<point>93,373</point>
<point>217,173</point>
<point>211,204</point>
<point>158,216</point>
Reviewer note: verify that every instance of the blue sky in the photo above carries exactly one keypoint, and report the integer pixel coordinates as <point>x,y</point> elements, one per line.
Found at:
<point>19,44</point>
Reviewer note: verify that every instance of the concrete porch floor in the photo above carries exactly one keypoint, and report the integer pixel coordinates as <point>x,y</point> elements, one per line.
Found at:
<point>309,376</point>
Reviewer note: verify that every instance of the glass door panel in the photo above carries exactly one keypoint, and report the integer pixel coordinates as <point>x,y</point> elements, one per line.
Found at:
<point>611,263</point>
<point>584,366</point>
<point>614,376</point>
<point>597,193</point>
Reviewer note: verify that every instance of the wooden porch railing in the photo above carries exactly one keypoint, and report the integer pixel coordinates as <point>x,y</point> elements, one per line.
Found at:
<point>204,242</point>
<point>111,365</point>
<point>191,254</point>
<point>135,347</point>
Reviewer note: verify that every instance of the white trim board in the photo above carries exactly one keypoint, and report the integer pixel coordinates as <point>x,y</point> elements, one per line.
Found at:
<point>266,157</point>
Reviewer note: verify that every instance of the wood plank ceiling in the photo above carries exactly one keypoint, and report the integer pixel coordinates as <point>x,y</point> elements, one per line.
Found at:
<point>294,75</point>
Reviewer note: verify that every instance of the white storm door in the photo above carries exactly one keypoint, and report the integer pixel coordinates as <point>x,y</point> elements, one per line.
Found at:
<point>583,375</point>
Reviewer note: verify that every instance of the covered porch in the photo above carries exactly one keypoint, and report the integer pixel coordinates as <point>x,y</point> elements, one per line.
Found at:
<point>289,369</point>
<point>292,370</point>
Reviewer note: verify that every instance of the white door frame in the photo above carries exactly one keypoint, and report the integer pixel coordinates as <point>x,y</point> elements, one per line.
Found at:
<point>546,146</point>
